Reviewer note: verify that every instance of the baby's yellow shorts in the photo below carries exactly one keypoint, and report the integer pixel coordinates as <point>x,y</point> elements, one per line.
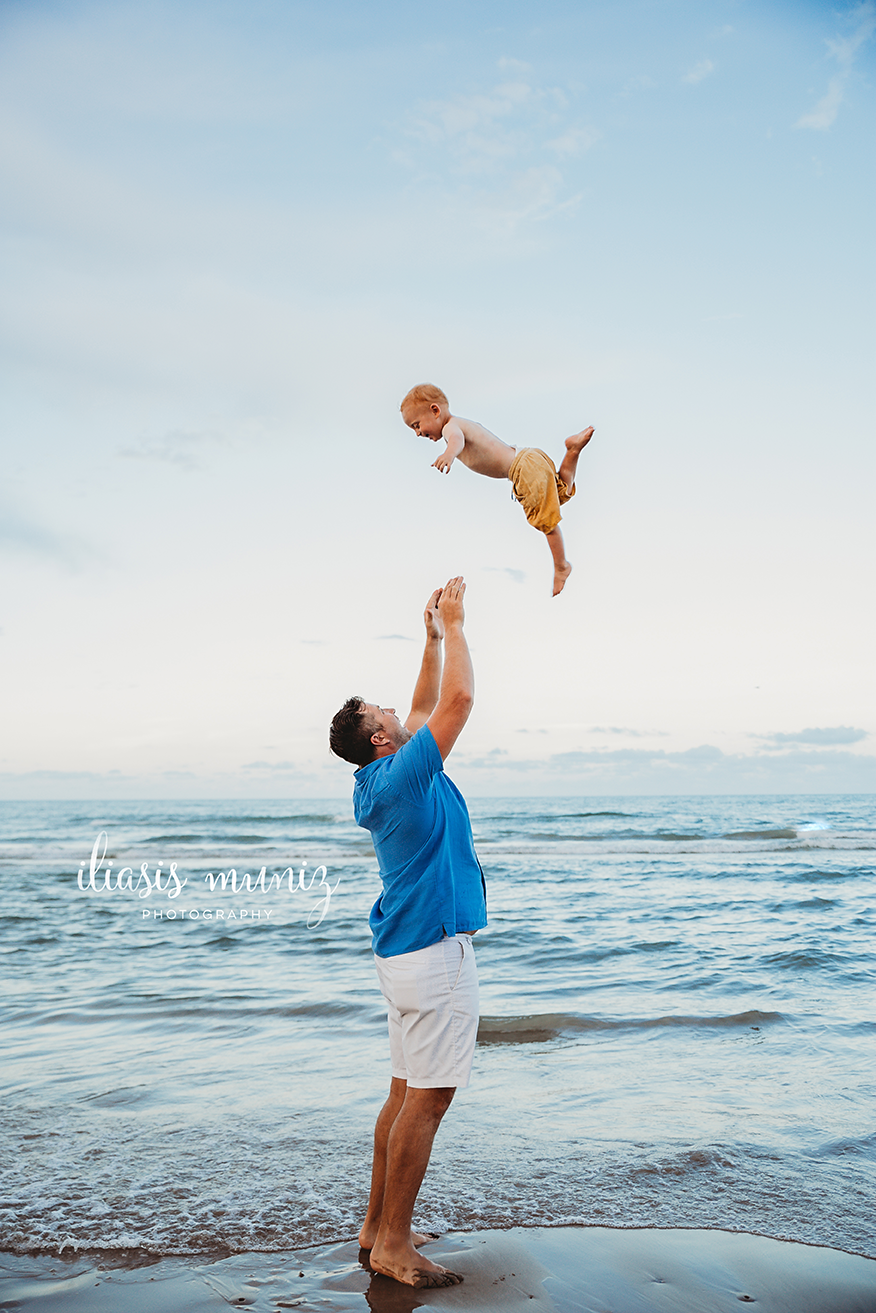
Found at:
<point>539,489</point>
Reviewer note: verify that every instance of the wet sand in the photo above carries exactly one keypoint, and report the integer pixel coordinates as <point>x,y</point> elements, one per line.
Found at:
<point>567,1269</point>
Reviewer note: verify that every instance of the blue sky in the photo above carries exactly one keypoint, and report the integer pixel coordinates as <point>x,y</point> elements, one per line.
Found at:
<point>236,234</point>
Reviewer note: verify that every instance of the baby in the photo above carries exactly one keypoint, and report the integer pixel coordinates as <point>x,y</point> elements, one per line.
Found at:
<point>535,482</point>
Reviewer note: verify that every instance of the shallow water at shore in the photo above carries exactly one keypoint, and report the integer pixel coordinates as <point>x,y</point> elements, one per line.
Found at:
<point>563,1270</point>
<point>677,1025</point>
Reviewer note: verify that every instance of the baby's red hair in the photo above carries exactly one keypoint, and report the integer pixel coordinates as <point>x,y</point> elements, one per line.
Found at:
<point>425,394</point>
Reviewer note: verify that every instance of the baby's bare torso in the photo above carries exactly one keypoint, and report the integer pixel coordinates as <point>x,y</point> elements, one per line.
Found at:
<point>483,451</point>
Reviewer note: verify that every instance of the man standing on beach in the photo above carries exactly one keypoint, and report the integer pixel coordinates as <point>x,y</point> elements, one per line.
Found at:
<point>433,901</point>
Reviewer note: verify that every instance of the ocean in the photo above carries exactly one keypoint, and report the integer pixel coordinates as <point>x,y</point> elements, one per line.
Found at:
<point>677,1023</point>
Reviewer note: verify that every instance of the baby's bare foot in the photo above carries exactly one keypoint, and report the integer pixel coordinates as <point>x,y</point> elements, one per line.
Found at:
<point>578,441</point>
<point>561,574</point>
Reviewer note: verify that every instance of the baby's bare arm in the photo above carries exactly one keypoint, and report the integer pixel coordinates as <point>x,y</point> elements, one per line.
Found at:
<point>455,439</point>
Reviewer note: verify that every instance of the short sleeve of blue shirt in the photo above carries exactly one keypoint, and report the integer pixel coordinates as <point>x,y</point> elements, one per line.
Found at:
<point>432,880</point>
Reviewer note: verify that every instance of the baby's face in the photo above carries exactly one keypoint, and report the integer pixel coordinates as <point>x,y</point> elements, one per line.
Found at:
<point>426,420</point>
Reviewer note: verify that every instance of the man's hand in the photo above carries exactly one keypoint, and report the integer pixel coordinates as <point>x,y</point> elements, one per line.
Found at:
<point>456,694</point>
<point>449,604</point>
<point>433,621</point>
<point>444,700</point>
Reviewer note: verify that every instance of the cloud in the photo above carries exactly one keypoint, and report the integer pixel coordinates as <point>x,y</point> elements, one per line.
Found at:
<point>633,733</point>
<point>703,755</point>
<point>573,142</point>
<point>843,50</point>
<point>701,770</point>
<point>824,738</point>
<point>185,450</point>
<point>489,762</point>
<point>479,129</point>
<point>20,534</point>
<point>519,576</point>
<point>617,759</point>
<point>10,779</point>
<point>825,112</point>
<point>502,147</point>
<point>88,785</point>
<point>390,638</point>
<point>699,71</point>
<point>639,83</point>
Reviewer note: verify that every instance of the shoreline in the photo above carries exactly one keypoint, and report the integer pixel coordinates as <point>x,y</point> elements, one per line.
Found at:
<point>567,1269</point>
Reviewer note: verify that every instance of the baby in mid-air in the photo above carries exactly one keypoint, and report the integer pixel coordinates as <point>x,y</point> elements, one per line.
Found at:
<point>536,483</point>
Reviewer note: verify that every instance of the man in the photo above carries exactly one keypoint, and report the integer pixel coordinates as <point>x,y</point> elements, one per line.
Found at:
<point>433,901</point>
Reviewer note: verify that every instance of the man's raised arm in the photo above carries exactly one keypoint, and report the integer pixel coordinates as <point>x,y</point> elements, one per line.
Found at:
<point>429,678</point>
<point>456,695</point>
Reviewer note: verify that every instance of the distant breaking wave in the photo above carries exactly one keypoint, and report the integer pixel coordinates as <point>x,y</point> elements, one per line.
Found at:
<point>548,1025</point>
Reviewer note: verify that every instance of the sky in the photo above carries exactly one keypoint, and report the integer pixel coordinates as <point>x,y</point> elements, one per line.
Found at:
<point>235,233</point>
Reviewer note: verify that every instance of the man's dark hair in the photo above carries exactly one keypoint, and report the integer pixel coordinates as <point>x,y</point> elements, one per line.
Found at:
<point>350,734</point>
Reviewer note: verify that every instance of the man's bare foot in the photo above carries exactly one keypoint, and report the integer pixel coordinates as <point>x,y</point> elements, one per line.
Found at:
<point>578,441</point>
<point>418,1238</point>
<point>561,574</point>
<point>413,1269</point>
<point>423,1238</point>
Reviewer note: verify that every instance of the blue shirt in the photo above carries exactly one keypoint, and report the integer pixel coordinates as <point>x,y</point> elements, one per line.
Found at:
<point>432,880</point>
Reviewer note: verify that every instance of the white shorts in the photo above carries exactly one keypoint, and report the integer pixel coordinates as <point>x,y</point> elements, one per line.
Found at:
<point>432,995</point>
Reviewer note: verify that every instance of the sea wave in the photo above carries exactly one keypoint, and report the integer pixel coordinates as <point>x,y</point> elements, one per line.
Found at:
<point>205,1197</point>
<point>664,983</point>
<point>540,1027</point>
<point>162,1009</point>
<point>862,1146</point>
<point>667,843</point>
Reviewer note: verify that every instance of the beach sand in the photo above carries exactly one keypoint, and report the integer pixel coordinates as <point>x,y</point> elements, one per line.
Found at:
<point>589,1269</point>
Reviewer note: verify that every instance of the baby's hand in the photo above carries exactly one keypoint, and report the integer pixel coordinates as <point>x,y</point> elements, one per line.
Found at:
<point>443,463</point>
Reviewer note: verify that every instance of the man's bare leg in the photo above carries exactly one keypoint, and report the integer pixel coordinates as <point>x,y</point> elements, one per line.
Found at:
<point>385,1119</point>
<point>562,567</point>
<point>408,1147</point>
<point>574,446</point>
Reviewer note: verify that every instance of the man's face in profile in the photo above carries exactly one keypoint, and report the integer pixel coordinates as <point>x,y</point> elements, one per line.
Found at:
<point>386,721</point>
